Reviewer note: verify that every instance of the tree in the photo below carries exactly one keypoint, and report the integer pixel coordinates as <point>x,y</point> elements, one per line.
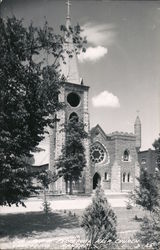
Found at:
<point>149,198</point>
<point>45,178</point>
<point>99,221</point>
<point>156,145</point>
<point>149,234</point>
<point>146,194</point>
<point>29,88</point>
<point>72,161</point>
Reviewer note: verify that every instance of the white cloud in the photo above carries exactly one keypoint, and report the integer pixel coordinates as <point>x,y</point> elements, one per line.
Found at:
<point>105,99</point>
<point>99,34</point>
<point>92,54</point>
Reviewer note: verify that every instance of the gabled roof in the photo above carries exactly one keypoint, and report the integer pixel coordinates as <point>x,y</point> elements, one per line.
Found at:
<point>98,130</point>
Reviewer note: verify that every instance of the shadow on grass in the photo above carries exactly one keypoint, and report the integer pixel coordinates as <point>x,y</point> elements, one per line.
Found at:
<point>29,223</point>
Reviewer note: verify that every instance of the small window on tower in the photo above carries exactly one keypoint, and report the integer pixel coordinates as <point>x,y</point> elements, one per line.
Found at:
<point>126,155</point>
<point>143,161</point>
<point>73,99</point>
<point>73,116</point>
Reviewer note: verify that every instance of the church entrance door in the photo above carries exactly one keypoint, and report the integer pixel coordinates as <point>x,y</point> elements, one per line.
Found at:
<point>96,180</point>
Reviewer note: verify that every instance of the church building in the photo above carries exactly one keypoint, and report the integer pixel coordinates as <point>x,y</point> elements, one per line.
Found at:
<point>111,159</point>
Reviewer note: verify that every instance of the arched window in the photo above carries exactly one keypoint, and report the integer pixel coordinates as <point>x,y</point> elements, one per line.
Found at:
<point>97,153</point>
<point>73,115</point>
<point>143,161</point>
<point>106,176</point>
<point>128,177</point>
<point>126,155</point>
<point>96,180</point>
<point>124,177</point>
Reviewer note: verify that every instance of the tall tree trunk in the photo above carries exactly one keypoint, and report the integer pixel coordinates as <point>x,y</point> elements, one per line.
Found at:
<point>44,195</point>
<point>70,183</point>
<point>66,182</point>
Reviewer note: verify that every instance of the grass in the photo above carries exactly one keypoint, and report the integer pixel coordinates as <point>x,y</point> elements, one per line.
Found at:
<point>35,231</point>
<point>28,224</point>
<point>125,219</point>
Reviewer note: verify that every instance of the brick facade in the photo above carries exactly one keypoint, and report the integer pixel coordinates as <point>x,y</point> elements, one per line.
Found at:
<point>148,159</point>
<point>115,166</point>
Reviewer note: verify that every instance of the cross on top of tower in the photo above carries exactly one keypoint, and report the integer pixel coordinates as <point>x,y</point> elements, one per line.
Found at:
<point>68,3</point>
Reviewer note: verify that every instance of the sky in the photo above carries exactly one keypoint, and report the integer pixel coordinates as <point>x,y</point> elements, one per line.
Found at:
<point>122,61</point>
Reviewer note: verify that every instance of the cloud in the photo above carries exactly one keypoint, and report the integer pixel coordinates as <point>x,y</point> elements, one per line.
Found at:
<point>99,34</point>
<point>105,99</point>
<point>92,54</point>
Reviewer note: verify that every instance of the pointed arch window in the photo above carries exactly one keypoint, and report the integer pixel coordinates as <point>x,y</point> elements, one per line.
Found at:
<point>143,161</point>
<point>106,176</point>
<point>73,115</point>
<point>124,177</point>
<point>128,177</point>
<point>126,155</point>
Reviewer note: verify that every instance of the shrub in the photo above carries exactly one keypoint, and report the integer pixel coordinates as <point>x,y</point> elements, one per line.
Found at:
<point>47,207</point>
<point>150,230</point>
<point>99,221</point>
<point>129,205</point>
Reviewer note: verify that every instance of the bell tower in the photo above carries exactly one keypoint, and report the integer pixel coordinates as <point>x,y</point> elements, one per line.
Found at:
<point>74,94</point>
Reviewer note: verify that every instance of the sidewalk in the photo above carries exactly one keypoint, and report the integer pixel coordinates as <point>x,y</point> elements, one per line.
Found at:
<point>35,204</point>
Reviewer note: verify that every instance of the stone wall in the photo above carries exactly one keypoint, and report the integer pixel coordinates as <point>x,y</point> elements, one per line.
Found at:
<point>57,135</point>
<point>57,140</point>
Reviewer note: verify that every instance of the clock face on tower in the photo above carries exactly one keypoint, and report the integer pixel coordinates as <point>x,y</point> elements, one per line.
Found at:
<point>97,153</point>
<point>73,99</point>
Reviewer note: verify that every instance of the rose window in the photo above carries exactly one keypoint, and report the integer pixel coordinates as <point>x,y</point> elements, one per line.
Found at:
<point>97,153</point>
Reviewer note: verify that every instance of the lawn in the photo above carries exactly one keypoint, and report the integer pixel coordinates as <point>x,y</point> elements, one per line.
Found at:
<point>34,230</point>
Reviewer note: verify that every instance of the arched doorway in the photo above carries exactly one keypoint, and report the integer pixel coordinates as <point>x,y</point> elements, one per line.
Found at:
<point>96,180</point>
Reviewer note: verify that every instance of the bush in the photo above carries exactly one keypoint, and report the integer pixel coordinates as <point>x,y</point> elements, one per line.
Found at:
<point>99,221</point>
<point>47,207</point>
<point>150,231</point>
<point>129,205</point>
